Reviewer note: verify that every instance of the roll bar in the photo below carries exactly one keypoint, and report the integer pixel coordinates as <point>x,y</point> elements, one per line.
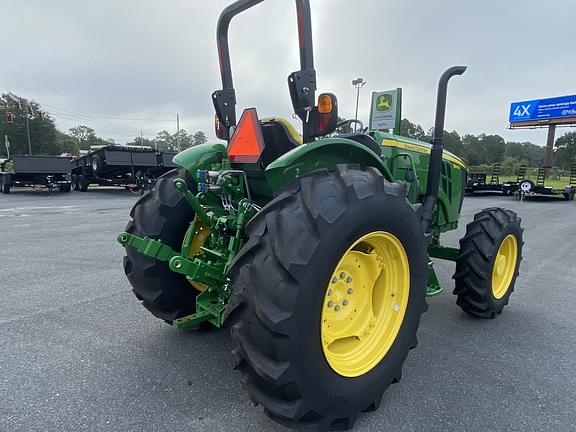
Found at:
<point>302,83</point>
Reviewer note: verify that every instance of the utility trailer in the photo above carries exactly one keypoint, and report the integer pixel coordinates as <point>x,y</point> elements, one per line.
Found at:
<point>51,172</point>
<point>165,163</point>
<point>132,167</point>
<point>528,189</point>
<point>477,181</point>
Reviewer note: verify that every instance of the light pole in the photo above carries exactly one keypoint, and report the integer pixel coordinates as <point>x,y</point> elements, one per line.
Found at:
<point>17,100</point>
<point>358,83</point>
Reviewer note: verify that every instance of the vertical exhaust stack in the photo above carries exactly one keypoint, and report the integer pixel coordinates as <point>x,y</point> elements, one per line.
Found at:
<point>435,167</point>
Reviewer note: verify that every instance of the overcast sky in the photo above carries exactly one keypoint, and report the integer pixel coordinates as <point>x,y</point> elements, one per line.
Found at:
<point>141,59</point>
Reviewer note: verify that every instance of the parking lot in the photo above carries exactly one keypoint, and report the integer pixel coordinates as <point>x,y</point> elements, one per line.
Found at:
<point>78,352</point>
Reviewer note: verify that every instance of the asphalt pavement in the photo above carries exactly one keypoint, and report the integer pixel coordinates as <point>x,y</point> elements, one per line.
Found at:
<point>79,353</point>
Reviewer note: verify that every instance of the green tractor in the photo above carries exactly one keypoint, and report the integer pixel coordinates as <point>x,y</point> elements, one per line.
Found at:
<point>313,249</point>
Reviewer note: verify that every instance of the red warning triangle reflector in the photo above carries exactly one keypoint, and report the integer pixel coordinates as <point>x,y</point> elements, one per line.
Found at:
<point>247,143</point>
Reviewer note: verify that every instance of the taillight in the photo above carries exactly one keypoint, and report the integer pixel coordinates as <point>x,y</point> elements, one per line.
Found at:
<point>219,128</point>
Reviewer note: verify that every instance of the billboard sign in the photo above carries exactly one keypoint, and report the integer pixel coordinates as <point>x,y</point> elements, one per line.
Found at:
<point>386,110</point>
<point>540,110</point>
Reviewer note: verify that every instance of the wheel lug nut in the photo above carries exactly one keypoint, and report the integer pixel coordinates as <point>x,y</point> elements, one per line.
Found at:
<point>337,308</point>
<point>345,302</point>
<point>350,290</point>
<point>330,303</point>
<point>334,280</point>
<point>342,275</point>
<point>349,279</point>
<point>329,292</point>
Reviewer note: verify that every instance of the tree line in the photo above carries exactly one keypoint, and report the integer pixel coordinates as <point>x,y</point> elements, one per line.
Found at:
<point>484,150</point>
<point>21,118</point>
<point>46,139</point>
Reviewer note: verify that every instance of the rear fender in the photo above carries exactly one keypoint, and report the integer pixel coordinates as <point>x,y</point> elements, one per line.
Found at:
<point>202,156</point>
<point>324,153</point>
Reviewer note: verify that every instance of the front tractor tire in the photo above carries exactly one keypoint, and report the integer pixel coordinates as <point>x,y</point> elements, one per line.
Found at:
<point>164,215</point>
<point>488,262</point>
<point>327,297</point>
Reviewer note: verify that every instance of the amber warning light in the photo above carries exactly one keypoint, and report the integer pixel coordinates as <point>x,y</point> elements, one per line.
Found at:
<point>247,143</point>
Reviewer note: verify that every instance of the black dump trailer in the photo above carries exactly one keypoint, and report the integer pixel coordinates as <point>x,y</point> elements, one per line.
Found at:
<point>165,163</point>
<point>51,172</point>
<point>478,181</point>
<point>132,167</point>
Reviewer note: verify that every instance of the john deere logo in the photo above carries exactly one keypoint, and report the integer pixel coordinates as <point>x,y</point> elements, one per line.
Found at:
<point>384,102</point>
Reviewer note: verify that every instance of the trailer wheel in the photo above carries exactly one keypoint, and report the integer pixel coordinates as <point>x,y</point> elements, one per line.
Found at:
<point>5,186</point>
<point>75,184</point>
<point>162,214</point>
<point>327,297</point>
<point>488,262</point>
<point>83,183</point>
<point>96,164</point>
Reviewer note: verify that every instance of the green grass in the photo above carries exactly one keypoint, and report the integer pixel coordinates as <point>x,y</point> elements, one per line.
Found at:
<point>556,183</point>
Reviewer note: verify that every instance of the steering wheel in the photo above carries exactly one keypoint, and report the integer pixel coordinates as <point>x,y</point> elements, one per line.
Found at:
<point>346,125</point>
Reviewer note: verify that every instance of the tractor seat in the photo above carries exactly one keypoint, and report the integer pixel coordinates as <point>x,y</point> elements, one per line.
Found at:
<point>365,140</point>
<point>279,137</point>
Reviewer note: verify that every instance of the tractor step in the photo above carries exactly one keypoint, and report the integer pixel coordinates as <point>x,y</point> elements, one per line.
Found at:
<point>573,175</point>
<point>433,287</point>
<point>432,291</point>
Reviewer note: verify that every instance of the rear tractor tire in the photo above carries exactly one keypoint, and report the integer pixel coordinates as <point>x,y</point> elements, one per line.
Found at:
<point>488,262</point>
<point>327,297</point>
<point>162,214</point>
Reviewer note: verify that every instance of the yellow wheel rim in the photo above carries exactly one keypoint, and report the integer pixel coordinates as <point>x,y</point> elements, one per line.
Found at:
<point>504,266</point>
<point>365,304</point>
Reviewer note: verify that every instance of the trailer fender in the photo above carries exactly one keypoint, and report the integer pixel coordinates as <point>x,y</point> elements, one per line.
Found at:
<point>324,153</point>
<point>202,156</point>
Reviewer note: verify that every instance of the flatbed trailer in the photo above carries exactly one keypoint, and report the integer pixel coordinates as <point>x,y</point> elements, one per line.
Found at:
<point>477,182</point>
<point>132,167</point>
<point>529,189</point>
<point>51,172</point>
